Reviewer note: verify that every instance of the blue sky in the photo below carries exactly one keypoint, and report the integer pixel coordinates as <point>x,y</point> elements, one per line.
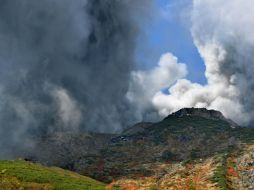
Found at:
<point>168,30</point>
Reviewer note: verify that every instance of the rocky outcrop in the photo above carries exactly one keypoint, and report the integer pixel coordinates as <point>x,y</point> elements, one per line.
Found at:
<point>203,112</point>
<point>245,166</point>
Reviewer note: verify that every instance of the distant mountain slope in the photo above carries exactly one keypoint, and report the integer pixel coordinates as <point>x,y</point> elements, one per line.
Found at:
<point>193,140</point>
<point>22,175</point>
<point>66,149</point>
<point>190,134</point>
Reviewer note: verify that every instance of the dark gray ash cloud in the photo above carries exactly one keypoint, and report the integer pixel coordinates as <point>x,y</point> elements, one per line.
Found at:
<point>65,65</point>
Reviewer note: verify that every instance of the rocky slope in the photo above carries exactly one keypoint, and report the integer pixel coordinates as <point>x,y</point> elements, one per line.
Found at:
<point>190,147</point>
<point>232,170</point>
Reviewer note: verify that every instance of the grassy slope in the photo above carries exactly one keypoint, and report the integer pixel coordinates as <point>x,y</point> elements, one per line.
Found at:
<point>25,175</point>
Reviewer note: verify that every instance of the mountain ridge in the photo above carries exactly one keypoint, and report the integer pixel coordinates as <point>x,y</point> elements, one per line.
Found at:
<point>143,150</point>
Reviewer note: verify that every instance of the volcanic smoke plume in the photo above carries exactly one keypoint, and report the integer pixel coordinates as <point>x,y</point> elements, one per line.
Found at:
<point>65,65</point>
<point>69,66</point>
<point>223,34</point>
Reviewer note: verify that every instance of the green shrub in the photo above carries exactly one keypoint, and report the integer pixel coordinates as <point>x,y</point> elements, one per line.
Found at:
<point>168,156</point>
<point>194,154</point>
<point>219,176</point>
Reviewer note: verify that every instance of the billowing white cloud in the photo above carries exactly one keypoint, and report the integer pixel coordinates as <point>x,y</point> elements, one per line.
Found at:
<point>145,84</point>
<point>223,34</point>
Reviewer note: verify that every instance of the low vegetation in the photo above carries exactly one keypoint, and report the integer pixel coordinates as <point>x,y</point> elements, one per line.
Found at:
<point>194,152</point>
<point>220,175</point>
<point>22,175</point>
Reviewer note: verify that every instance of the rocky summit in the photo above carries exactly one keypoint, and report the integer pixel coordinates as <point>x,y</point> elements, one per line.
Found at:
<point>190,149</point>
<point>203,112</point>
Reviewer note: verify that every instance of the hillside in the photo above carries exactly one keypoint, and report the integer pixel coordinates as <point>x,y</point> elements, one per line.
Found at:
<point>189,149</point>
<point>22,175</point>
<point>177,138</point>
<point>231,170</point>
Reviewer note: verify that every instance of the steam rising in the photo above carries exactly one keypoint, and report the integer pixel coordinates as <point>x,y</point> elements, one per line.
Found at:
<point>145,84</point>
<point>69,65</point>
<point>223,34</point>
<point>65,65</point>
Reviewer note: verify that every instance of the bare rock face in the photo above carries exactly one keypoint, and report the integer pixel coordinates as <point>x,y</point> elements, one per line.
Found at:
<point>245,165</point>
<point>203,112</point>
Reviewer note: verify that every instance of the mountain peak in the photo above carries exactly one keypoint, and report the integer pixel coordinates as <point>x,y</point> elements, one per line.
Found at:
<point>202,112</point>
